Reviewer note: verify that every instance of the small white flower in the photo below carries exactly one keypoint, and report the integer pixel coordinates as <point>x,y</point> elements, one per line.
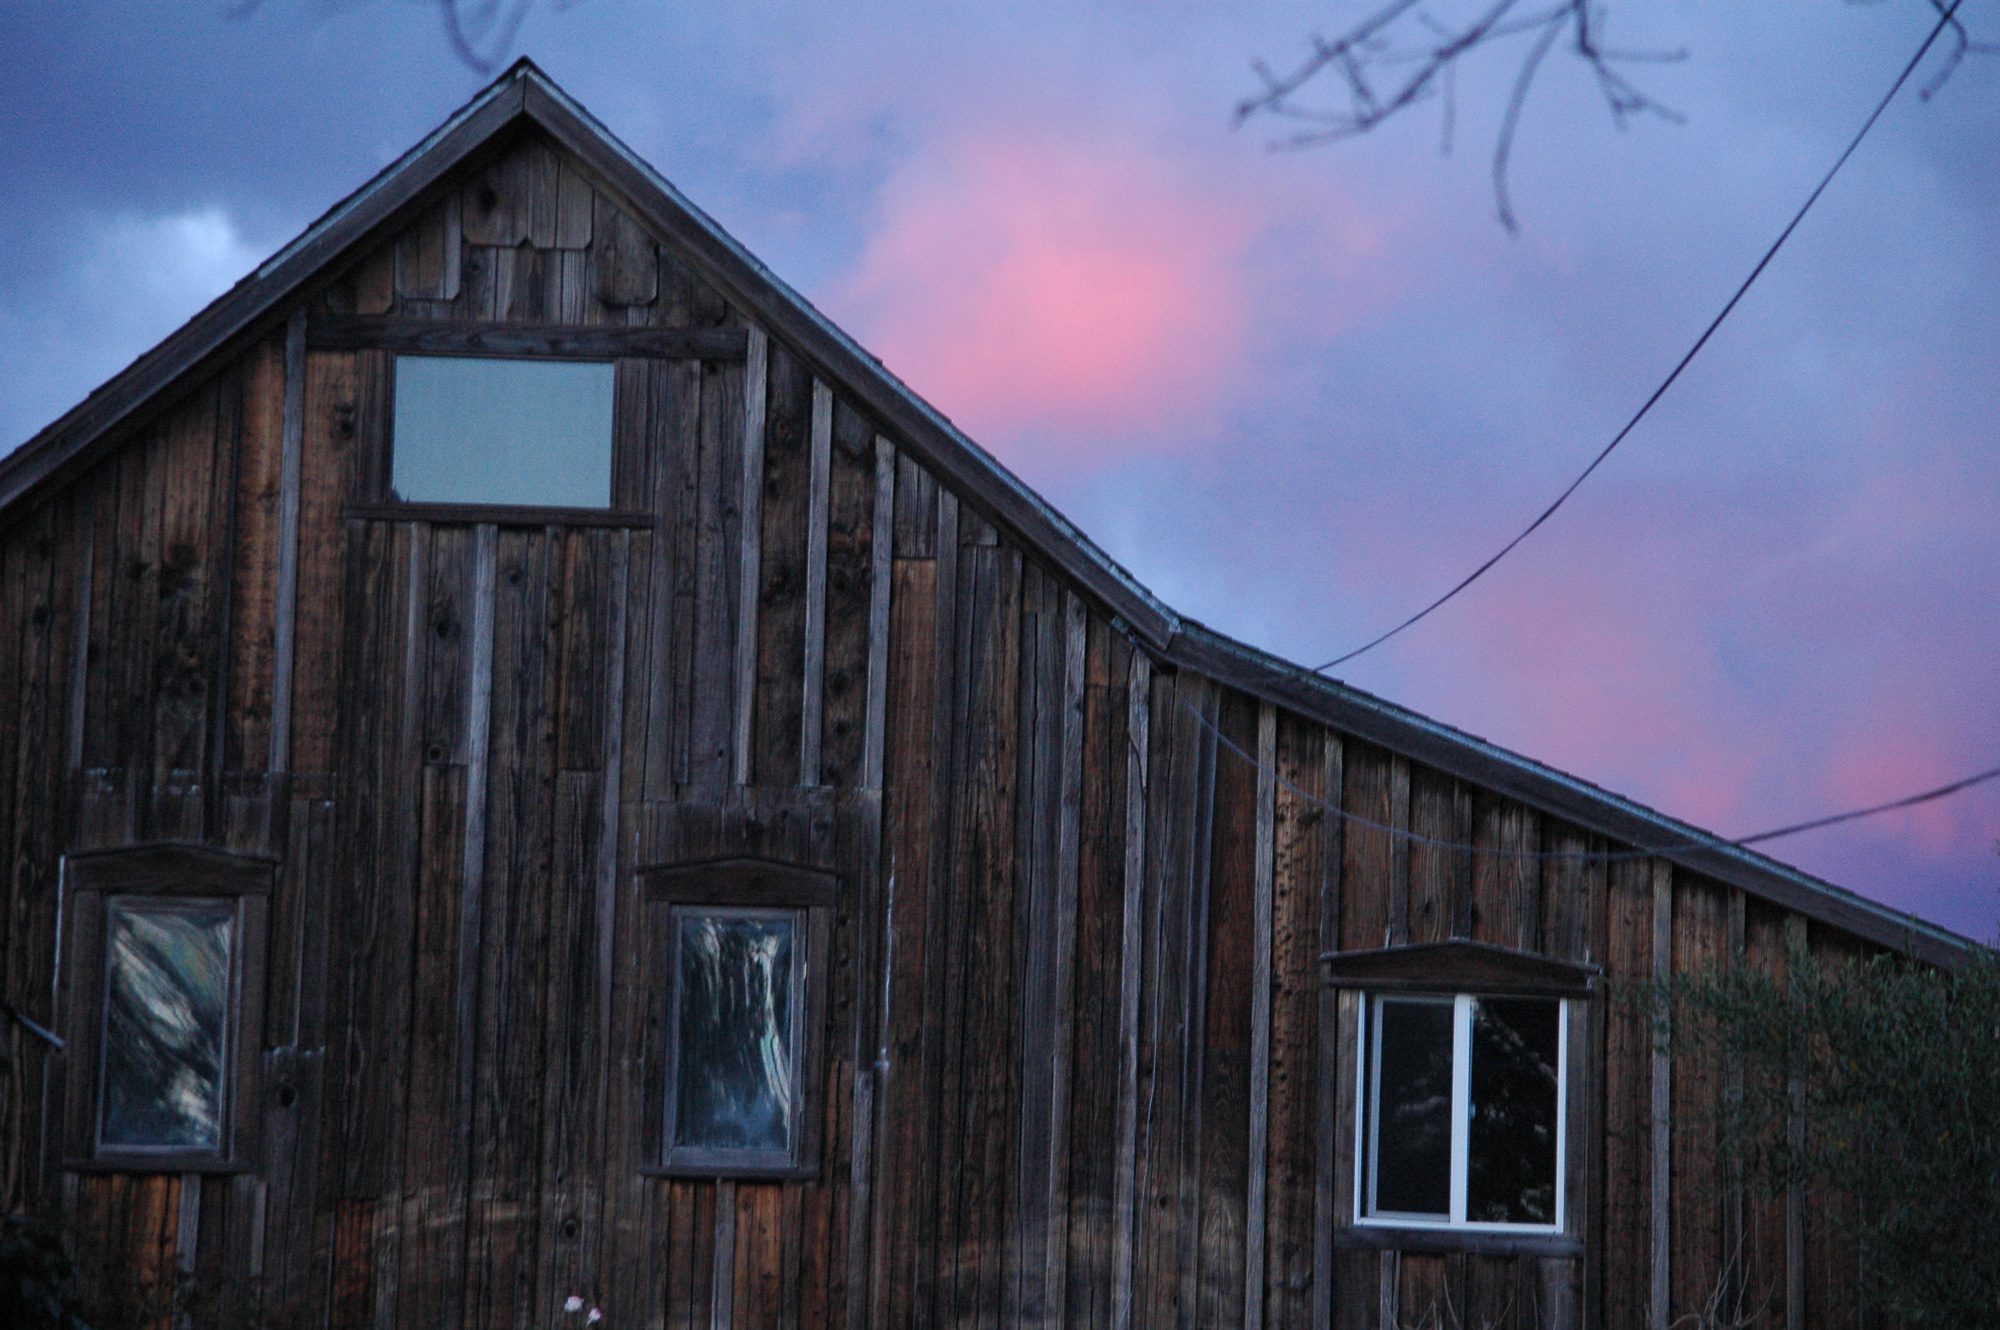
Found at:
<point>594,1317</point>
<point>573,1303</point>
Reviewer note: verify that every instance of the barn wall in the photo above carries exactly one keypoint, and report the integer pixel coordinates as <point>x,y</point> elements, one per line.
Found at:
<point>1080,1068</point>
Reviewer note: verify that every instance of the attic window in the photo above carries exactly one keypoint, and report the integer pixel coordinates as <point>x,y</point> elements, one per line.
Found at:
<point>512,432</point>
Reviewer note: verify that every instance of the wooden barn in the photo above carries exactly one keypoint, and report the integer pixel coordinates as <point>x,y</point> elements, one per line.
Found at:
<point>533,770</point>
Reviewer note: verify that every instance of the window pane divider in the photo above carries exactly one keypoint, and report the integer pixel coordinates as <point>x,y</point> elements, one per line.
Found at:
<point>1461,1101</point>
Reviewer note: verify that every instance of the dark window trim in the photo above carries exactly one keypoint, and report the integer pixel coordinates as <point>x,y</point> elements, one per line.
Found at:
<point>164,873</point>
<point>1477,1242</point>
<point>758,887</point>
<point>1459,966</point>
<point>522,341</point>
<point>499,514</point>
<point>375,494</point>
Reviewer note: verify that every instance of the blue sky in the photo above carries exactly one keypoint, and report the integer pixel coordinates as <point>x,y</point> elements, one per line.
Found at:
<point>1299,393</point>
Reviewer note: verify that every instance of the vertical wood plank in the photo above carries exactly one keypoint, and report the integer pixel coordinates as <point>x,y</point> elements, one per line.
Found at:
<point>1067,863</point>
<point>1660,1283</point>
<point>755,383</point>
<point>252,558</point>
<point>1440,875</point>
<point>1368,840</point>
<point>811,715</point>
<point>1795,1130</point>
<point>1333,1193</point>
<point>781,616</point>
<point>1299,827</point>
<point>882,554</point>
<point>1628,1158</point>
<point>851,528</point>
<point>285,613</point>
<point>1125,1195</point>
<point>1262,944</point>
<point>723,1296</point>
<point>1701,1265</point>
<point>427,254</point>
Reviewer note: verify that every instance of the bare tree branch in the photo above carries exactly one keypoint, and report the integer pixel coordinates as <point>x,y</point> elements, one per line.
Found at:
<point>1524,79</point>
<point>1404,53</point>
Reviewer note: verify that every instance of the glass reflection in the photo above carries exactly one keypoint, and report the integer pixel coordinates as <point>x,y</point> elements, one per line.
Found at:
<point>165,1022</point>
<point>735,1032</point>
<point>1413,1108</point>
<point>472,429</point>
<point>1516,1044</point>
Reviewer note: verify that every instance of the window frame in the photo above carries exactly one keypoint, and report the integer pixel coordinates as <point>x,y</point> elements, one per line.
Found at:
<point>468,346</point>
<point>164,877</point>
<point>746,888</point>
<point>1446,971</point>
<point>1367,1138</point>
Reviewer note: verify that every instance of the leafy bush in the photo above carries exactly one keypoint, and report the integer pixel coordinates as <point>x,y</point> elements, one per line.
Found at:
<point>1900,1066</point>
<point>37,1279</point>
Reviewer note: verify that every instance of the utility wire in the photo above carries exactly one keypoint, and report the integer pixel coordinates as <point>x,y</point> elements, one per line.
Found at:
<point>1596,856</point>
<point>1944,21</point>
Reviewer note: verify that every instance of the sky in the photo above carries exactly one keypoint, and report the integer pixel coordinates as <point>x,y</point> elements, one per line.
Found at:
<point>1297,393</point>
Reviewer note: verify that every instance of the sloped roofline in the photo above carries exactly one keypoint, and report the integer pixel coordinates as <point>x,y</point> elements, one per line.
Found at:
<point>525,95</point>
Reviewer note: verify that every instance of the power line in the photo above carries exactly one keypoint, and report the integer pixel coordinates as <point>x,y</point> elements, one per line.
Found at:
<point>1945,19</point>
<point>1596,856</point>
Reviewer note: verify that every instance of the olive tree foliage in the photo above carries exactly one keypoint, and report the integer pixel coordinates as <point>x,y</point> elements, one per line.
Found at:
<point>1407,53</point>
<point>1879,1080</point>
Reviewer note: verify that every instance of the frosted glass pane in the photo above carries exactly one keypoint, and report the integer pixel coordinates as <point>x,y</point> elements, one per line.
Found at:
<point>1413,1109</point>
<point>165,1021</point>
<point>735,1028</point>
<point>1516,1043</point>
<point>473,430</point>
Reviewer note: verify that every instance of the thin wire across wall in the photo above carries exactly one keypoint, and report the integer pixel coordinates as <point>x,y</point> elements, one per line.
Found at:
<point>1596,856</point>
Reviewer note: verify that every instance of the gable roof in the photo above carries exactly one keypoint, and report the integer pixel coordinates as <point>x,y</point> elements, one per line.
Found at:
<point>525,96</point>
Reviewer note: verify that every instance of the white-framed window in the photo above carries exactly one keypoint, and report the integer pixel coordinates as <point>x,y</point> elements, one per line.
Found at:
<point>1464,1112</point>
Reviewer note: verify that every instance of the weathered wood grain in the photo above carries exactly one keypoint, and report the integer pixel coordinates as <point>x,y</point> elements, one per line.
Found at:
<point>428,252</point>
<point>1298,845</point>
<point>1126,1196</point>
<point>1628,1063</point>
<point>1702,1267</point>
<point>1660,1263</point>
<point>814,668</point>
<point>1229,995</point>
<point>1440,876</point>
<point>711,580</point>
<point>522,295</point>
<point>778,648</point>
<point>623,258</point>
<point>513,200</point>
<point>848,612</point>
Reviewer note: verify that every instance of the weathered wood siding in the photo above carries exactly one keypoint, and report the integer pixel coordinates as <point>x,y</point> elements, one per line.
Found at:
<point>1079,1067</point>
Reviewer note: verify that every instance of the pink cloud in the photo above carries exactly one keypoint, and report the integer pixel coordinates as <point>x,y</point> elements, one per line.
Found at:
<point>1027,283</point>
